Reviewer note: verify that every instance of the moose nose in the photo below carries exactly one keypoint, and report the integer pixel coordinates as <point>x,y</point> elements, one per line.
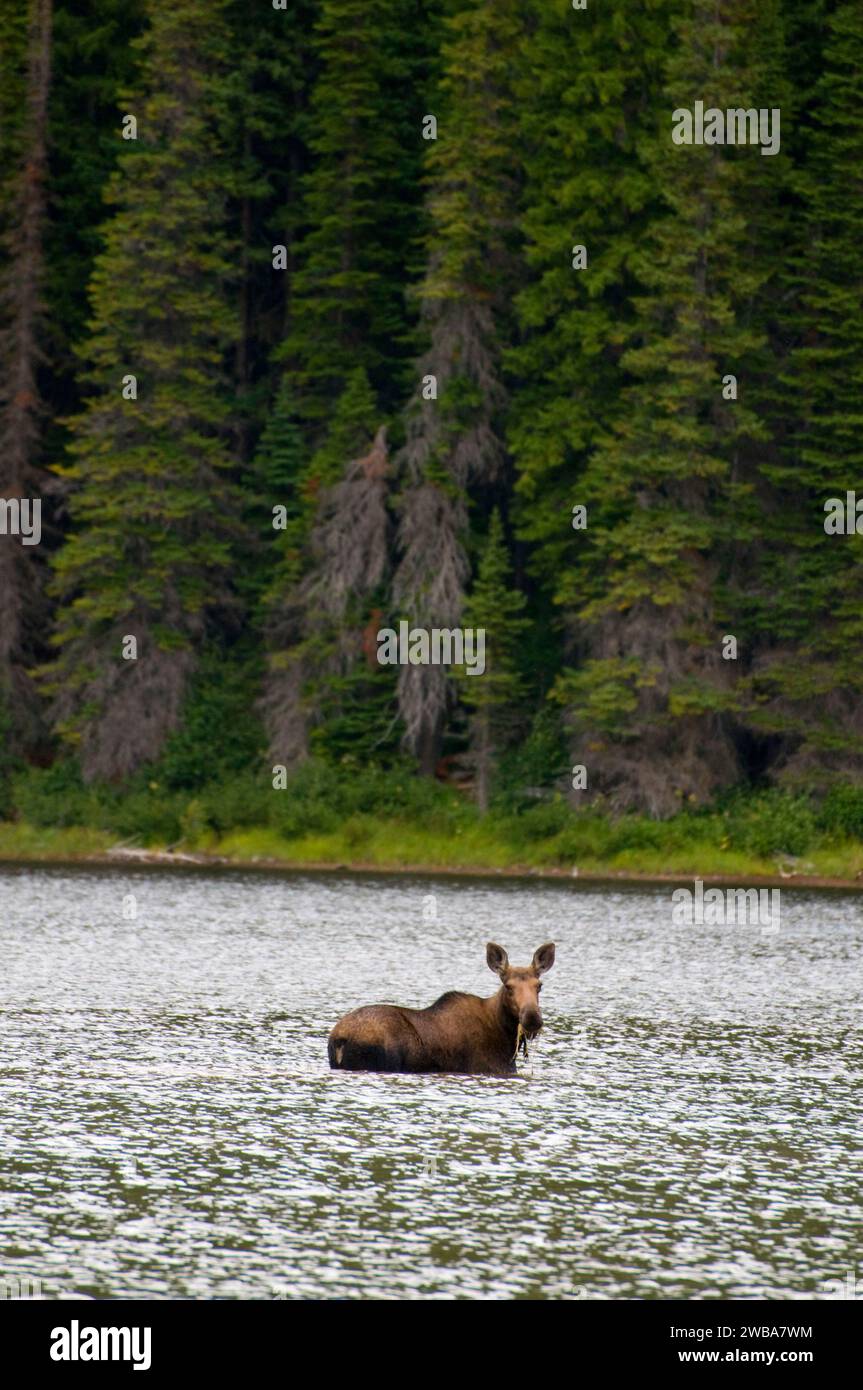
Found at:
<point>531,1020</point>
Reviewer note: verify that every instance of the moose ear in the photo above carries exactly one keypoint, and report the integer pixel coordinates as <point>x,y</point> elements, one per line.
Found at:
<point>497,958</point>
<point>543,959</point>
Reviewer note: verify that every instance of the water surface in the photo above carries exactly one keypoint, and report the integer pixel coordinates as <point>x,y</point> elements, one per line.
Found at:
<point>688,1125</point>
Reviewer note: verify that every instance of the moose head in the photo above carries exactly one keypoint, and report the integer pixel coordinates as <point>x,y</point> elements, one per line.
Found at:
<point>521,984</point>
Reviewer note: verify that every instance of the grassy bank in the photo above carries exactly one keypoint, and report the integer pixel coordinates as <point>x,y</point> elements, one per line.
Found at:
<point>393,820</point>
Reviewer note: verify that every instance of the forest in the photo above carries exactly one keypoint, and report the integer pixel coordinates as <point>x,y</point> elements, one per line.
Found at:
<point>319,317</point>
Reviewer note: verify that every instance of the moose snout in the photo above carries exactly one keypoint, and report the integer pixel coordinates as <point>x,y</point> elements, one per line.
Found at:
<point>531,1021</point>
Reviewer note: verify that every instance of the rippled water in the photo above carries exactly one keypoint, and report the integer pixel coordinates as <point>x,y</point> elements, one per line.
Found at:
<point>688,1124</point>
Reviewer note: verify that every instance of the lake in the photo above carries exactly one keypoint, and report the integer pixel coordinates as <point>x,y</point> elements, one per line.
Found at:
<point>687,1125</point>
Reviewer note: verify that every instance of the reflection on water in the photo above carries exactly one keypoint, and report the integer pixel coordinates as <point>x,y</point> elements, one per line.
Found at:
<point>688,1124</point>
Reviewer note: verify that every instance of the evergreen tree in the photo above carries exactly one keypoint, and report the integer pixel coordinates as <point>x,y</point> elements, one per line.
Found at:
<point>455,422</point>
<point>274,507</point>
<point>492,695</point>
<point>361,198</point>
<point>23,613</point>
<point>261,110</point>
<point>589,91</point>
<point>154,512</point>
<point>278,461</point>
<point>94,61</point>
<point>807,685</point>
<point>330,588</point>
<point>667,488</point>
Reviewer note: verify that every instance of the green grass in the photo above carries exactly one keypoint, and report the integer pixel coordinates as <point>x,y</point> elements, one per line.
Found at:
<point>21,841</point>
<point>395,843</point>
<point>390,818</point>
<point>387,843</point>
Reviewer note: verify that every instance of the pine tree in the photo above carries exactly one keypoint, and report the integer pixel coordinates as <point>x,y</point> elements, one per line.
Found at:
<point>94,61</point>
<point>455,422</point>
<point>590,85</point>
<point>261,111</point>
<point>668,487</point>
<point>279,456</point>
<point>330,582</point>
<point>360,201</point>
<point>492,695</point>
<point>807,685</point>
<point>274,510</point>
<point>23,481</point>
<point>154,512</point>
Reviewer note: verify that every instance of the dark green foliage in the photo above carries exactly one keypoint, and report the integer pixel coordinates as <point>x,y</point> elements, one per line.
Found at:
<point>272,481</point>
<point>9,759</point>
<point>590,92</point>
<point>94,63</point>
<point>534,763</point>
<point>56,796</point>
<point>320,797</point>
<point>842,811</point>
<point>496,610</point>
<point>774,822</point>
<point>153,509</point>
<point>360,199</point>
<point>808,682</point>
<point>220,734</point>
<point>262,389</point>
<point>668,485</point>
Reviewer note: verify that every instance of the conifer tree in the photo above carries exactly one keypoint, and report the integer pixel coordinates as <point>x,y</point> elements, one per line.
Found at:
<point>360,201</point>
<point>807,684</point>
<point>652,706</point>
<point>154,513</point>
<point>261,111</point>
<point>590,85</point>
<point>492,695</point>
<point>271,485</point>
<point>455,422</point>
<point>331,580</point>
<point>26,67</point>
<point>94,61</point>
<point>279,456</point>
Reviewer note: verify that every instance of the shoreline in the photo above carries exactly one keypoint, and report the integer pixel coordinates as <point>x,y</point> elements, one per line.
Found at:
<point>123,857</point>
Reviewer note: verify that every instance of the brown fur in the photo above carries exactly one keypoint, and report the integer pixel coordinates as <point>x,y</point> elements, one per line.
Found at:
<point>458,1033</point>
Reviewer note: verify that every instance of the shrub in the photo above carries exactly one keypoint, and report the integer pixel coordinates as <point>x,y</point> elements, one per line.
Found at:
<point>357,832</point>
<point>842,812</point>
<point>150,814</point>
<point>543,820</point>
<point>238,802</point>
<point>220,734</point>
<point>321,796</point>
<point>772,822</point>
<point>55,796</point>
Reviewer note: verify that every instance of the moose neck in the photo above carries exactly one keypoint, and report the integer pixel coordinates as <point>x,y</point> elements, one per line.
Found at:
<point>504,1018</point>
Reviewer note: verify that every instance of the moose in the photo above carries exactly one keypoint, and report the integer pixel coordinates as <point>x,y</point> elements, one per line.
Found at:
<point>458,1033</point>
